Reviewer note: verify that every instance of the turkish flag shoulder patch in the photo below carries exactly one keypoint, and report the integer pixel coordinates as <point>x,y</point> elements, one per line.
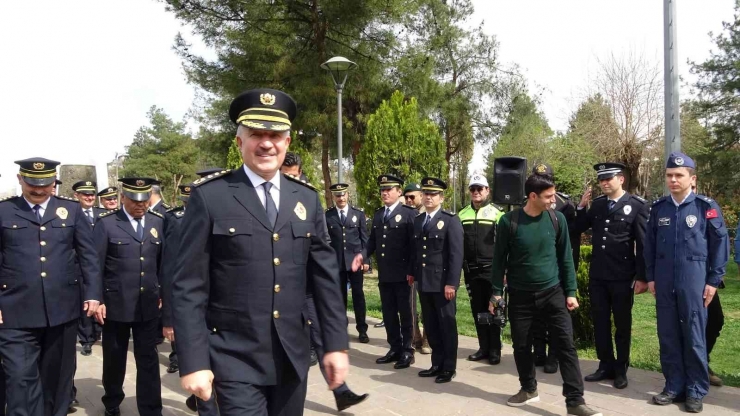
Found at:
<point>712,213</point>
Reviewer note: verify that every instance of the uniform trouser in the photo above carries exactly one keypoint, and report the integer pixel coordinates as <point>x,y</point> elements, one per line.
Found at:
<point>478,283</point>
<point>39,369</point>
<point>115,348</point>
<point>88,329</point>
<point>317,342</point>
<point>715,322</point>
<point>173,353</point>
<point>243,399</point>
<point>2,391</point>
<point>612,298</point>
<point>549,304</point>
<point>682,328</point>
<point>441,328</point>
<point>358,296</point>
<point>395,299</point>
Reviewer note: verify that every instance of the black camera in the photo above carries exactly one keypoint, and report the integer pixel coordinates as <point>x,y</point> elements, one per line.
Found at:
<point>498,317</point>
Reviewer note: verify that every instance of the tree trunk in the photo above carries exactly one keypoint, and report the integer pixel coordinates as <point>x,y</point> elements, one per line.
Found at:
<point>325,168</point>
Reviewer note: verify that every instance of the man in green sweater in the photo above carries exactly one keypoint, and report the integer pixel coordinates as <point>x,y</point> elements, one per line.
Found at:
<point>533,250</point>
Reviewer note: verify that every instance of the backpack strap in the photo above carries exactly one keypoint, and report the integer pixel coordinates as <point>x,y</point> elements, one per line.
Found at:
<point>554,220</point>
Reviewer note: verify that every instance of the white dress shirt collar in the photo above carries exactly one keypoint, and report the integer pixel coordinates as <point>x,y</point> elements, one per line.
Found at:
<point>132,220</point>
<point>677,203</point>
<point>433,213</point>
<point>258,180</point>
<point>43,206</point>
<point>392,207</point>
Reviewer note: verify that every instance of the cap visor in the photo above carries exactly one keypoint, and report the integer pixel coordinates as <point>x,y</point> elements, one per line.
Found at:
<point>39,181</point>
<point>606,176</point>
<point>86,192</point>
<point>137,196</point>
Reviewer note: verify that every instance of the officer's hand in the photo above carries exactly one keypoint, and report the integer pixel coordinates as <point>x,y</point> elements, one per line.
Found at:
<point>199,383</point>
<point>90,306</point>
<point>585,199</point>
<point>492,306</point>
<point>100,314</point>
<point>357,263</point>
<point>1,317</point>
<point>365,267</point>
<point>571,303</point>
<point>640,287</point>
<point>449,292</point>
<point>336,364</point>
<point>410,279</point>
<point>651,288</point>
<point>709,292</point>
<point>169,333</point>
<point>160,303</point>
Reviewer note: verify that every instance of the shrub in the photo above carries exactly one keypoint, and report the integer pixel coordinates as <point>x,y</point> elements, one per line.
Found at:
<point>583,326</point>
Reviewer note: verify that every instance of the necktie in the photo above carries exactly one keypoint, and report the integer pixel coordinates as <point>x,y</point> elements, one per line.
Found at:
<point>88,212</point>
<point>270,204</point>
<point>342,216</point>
<point>611,204</point>
<point>387,214</point>
<point>37,211</point>
<point>139,229</point>
<point>427,222</point>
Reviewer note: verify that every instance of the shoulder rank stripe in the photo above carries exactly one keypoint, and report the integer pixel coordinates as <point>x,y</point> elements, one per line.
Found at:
<point>210,177</point>
<point>639,198</point>
<point>105,214</point>
<point>67,198</point>
<point>155,213</point>
<point>296,180</point>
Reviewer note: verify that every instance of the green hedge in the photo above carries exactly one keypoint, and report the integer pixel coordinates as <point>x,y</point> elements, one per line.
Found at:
<point>583,326</point>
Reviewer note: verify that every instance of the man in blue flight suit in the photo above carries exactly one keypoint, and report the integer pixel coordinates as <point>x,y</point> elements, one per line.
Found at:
<point>239,287</point>
<point>129,243</point>
<point>39,293</point>
<point>348,238</point>
<point>172,223</point>
<point>391,240</point>
<point>438,260</point>
<point>686,251</point>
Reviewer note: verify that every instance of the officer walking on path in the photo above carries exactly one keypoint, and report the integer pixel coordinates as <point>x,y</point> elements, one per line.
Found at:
<point>39,291</point>
<point>239,286</point>
<point>617,269</point>
<point>479,224</point>
<point>438,260</point>
<point>686,251</point>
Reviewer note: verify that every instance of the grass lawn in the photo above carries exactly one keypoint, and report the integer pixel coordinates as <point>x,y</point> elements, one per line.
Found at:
<point>645,350</point>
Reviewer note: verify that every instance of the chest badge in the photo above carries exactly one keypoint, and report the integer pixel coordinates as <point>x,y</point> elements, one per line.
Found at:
<point>627,210</point>
<point>300,211</point>
<point>440,225</point>
<point>354,218</point>
<point>398,218</point>
<point>691,221</point>
<point>62,213</point>
<point>154,233</point>
<point>664,222</point>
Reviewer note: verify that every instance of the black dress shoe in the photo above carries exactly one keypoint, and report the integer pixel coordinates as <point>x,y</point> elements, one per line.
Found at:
<point>478,355</point>
<point>71,409</point>
<point>494,357</point>
<point>693,405</point>
<point>364,338</point>
<point>434,371</point>
<point>314,358</point>
<point>389,358</point>
<point>445,377</point>
<point>74,403</point>
<point>665,398</point>
<point>406,360</point>
<point>192,403</point>
<point>173,367</point>
<point>113,411</point>
<point>599,375</point>
<point>620,381</point>
<point>347,399</point>
<point>86,350</point>
<point>380,325</point>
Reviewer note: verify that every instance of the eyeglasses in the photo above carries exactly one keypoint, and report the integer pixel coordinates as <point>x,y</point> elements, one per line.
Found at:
<point>411,197</point>
<point>474,189</point>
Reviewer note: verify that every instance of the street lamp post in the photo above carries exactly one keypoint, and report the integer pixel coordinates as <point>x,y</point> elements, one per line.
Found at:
<point>338,67</point>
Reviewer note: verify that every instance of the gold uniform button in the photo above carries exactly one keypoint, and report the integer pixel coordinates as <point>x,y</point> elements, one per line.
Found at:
<point>308,234</point>
<point>42,228</point>
<point>5,286</point>
<point>64,225</point>
<point>142,273</point>
<point>141,288</point>
<point>276,261</point>
<point>424,255</point>
<point>425,247</point>
<point>384,245</point>
<point>15,226</point>
<point>385,227</point>
<point>43,259</point>
<point>423,265</point>
<point>214,329</point>
<point>344,234</point>
<point>277,288</point>
<point>43,274</point>
<point>43,243</point>
<point>276,314</point>
<point>275,237</point>
<point>232,230</point>
<point>425,238</point>
<point>382,255</point>
<point>141,258</point>
<point>603,238</point>
<point>383,235</point>
<point>344,241</point>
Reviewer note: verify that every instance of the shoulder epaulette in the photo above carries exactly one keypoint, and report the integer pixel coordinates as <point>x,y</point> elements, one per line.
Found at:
<point>179,214</point>
<point>500,208</point>
<point>155,213</point>
<point>67,198</point>
<point>298,180</point>
<point>359,209</point>
<point>421,213</point>
<point>105,214</point>
<point>566,196</point>
<point>706,199</point>
<point>409,207</point>
<point>382,208</point>
<point>448,213</point>
<point>665,198</point>
<point>600,197</point>
<point>210,177</point>
<point>8,198</point>
<point>167,207</point>
<point>174,209</point>
<point>639,198</point>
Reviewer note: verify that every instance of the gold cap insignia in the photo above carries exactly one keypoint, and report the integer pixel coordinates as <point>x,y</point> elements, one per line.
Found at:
<point>602,167</point>
<point>541,169</point>
<point>267,99</point>
<point>110,189</point>
<point>140,182</point>
<point>62,213</point>
<point>88,183</point>
<point>154,232</point>
<point>384,179</point>
<point>38,166</point>
<point>440,225</point>
<point>300,211</point>
<point>430,182</point>
<point>187,189</point>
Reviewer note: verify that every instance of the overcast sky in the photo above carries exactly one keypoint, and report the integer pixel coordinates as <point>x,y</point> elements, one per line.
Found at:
<point>77,77</point>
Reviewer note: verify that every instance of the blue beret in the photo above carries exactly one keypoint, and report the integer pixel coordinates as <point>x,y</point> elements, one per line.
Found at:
<point>679,160</point>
